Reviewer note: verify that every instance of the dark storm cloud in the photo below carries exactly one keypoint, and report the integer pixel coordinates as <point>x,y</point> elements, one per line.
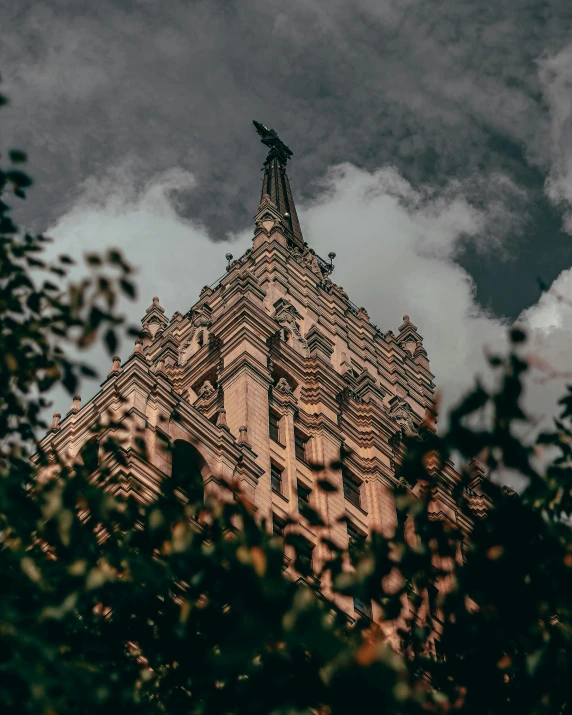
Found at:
<point>447,92</point>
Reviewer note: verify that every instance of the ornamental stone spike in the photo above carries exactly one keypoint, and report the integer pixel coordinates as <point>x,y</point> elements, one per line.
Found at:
<point>138,349</point>
<point>116,366</point>
<point>146,336</point>
<point>155,316</point>
<point>76,404</point>
<point>55,426</point>
<point>155,305</point>
<point>407,324</point>
<point>221,419</point>
<point>243,436</point>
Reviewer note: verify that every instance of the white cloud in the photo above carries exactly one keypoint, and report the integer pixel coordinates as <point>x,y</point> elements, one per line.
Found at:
<point>395,254</point>
<point>173,258</point>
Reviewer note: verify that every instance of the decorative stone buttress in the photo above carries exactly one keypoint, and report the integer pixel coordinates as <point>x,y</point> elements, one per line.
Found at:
<point>272,370</point>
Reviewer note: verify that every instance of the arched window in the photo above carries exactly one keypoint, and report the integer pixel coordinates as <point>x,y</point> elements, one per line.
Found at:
<point>201,338</point>
<point>189,469</point>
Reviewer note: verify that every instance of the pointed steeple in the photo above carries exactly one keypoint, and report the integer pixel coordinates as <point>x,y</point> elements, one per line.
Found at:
<point>275,183</point>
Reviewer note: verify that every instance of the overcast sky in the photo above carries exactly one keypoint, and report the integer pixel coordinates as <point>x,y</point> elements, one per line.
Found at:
<point>432,149</point>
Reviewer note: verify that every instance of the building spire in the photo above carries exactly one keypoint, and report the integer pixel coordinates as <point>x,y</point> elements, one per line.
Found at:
<point>275,183</point>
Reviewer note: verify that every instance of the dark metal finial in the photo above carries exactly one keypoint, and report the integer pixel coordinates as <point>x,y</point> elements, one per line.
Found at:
<point>228,260</point>
<point>277,148</point>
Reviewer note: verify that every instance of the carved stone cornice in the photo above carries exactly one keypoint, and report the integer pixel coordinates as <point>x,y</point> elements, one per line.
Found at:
<point>401,413</point>
<point>155,317</point>
<point>318,344</point>
<point>283,398</point>
<point>245,362</point>
<point>243,284</point>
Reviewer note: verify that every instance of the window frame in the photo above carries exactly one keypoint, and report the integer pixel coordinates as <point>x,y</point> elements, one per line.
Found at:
<point>278,527</point>
<point>364,609</point>
<point>351,487</point>
<point>300,445</point>
<point>303,502</point>
<point>356,540</point>
<point>274,421</point>
<point>306,568</point>
<point>276,472</point>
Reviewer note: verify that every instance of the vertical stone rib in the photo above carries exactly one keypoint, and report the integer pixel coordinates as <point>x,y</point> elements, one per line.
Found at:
<point>294,223</point>
<point>276,184</point>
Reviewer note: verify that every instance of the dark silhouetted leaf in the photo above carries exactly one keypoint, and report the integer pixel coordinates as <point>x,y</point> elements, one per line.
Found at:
<point>17,156</point>
<point>326,486</point>
<point>110,340</point>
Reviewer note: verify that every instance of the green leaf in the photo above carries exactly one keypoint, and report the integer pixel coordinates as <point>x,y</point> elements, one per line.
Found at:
<point>87,371</point>
<point>128,288</point>
<point>19,178</point>
<point>326,486</point>
<point>111,341</point>
<point>17,156</point>
<point>517,335</point>
<point>314,519</point>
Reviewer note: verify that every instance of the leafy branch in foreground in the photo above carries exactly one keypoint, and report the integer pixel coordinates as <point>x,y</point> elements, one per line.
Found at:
<point>182,605</point>
<point>44,317</point>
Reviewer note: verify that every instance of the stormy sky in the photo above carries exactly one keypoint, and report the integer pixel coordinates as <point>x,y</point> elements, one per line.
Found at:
<point>432,148</point>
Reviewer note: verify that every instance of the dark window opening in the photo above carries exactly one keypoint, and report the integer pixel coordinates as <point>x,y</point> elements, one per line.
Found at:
<point>276,478</point>
<point>277,528</point>
<point>433,598</point>
<point>356,543</point>
<point>304,554</point>
<point>351,489</point>
<point>187,469</point>
<point>300,446</point>
<point>363,608</point>
<point>274,427</point>
<point>303,497</point>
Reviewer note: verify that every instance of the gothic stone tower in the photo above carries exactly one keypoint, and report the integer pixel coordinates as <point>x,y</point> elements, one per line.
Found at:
<point>272,370</point>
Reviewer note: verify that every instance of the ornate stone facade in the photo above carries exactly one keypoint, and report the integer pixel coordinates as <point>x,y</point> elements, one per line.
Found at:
<point>273,371</point>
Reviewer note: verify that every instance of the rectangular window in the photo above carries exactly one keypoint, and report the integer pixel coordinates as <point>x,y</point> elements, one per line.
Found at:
<point>363,608</point>
<point>304,557</point>
<point>277,528</point>
<point>356,543</point>
<point>276,478</point>
<point>351,489</point>
<point>274,428</point>
<point>433,598</point>
<point>303,497</point>
<point>300,446</point>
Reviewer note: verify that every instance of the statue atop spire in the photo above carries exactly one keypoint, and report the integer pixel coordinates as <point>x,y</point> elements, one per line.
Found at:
<point>276,147</point>
<point>275,184</point>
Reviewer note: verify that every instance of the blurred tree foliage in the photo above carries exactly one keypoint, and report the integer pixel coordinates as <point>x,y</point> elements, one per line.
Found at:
<point>183,606</point>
